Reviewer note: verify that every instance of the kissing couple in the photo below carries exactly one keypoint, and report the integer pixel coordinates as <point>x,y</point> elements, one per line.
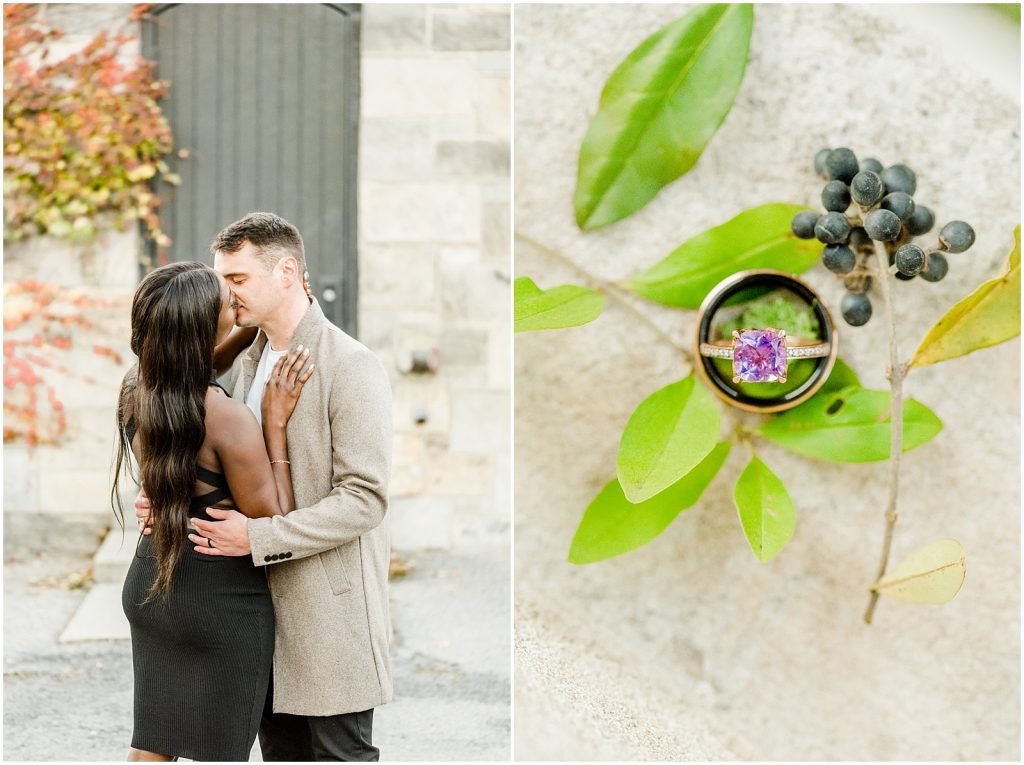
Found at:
<point>257,597</point>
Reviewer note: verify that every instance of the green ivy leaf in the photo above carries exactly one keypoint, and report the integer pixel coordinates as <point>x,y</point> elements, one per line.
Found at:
<point>671,431</point>
<point>766,512</point>
<point>565,306</point>
<point>659,109</point>
<point>849,425</point>
<point>932,574</point>
<point>761,237</point>
<point>988,316</point>
<point>612,525</point>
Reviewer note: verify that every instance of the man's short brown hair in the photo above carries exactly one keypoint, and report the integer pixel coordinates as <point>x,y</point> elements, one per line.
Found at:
<point>272,236</point>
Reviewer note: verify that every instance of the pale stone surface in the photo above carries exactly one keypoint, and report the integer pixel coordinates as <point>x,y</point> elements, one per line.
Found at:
<point>394,28</point>
<point>110,262</point>
<point>479,421</point>
<point>416,87</point>
<point>688,648</point>
<point>417,212</point>
<point>398,273</point>
<point>457,29</point>
<point>421,522</point>
<point>473,158</point>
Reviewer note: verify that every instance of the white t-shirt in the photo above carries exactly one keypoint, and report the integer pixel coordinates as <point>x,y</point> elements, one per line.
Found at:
<point>259,383</point>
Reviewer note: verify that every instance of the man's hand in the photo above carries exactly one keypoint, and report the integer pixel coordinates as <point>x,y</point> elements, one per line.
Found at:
<point>229,536</point>
<point>142,508</point>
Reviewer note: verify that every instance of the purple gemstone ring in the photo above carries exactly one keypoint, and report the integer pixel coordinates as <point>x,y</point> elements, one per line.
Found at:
<point>762,355</point>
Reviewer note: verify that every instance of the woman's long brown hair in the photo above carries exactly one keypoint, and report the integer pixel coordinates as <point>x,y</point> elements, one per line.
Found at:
<point>174,330</point>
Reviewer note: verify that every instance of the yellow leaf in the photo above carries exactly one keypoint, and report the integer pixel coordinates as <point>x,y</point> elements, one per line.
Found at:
<point>988,316</point>
<point>932,574</point>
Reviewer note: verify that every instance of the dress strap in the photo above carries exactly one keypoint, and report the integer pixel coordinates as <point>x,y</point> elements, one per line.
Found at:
<point>211,477</point>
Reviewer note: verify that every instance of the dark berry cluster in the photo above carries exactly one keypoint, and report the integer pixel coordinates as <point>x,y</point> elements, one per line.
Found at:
<point>884,211</point>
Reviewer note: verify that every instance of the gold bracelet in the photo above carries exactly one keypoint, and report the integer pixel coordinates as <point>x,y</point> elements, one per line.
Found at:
<point>286,462</point>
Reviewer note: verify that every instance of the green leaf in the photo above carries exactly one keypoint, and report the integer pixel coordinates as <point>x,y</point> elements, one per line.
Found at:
<point>932,574</point>
<point>761,237</point>
<point>565,306</point>
<point>613,525</point>
<point>840,377</point>
<point>988,316</point>
<point>849,425</point>
<point>659,109</point>
<point>671,431</point>
<point>766,511</point>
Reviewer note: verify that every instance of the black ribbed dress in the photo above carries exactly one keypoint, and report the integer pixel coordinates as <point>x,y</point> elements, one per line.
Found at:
<point>202,659</point>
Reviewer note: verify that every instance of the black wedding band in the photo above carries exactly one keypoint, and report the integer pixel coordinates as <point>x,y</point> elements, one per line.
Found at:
<point>766,279</point>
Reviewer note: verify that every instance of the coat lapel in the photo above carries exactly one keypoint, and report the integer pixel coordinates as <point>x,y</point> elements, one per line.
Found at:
<point>305,333</point>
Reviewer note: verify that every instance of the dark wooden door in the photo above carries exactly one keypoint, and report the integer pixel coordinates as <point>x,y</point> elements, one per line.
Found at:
<point>264,99</point>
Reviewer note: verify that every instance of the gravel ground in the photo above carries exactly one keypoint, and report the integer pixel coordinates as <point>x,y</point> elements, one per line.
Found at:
<point>450,655</point>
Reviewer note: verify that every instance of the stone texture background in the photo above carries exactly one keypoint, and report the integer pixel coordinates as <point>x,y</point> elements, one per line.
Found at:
<point>688,648</point>
<point>434,259</point>
<point>434,273</point>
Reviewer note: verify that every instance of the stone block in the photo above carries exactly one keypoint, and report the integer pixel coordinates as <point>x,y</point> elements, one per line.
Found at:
<point>376,325</point>
<point>21,478</point>
<point>421,394</point>
<point>110,563</point>
<point>499,357</point>
<point>457,29</point>
<point>400,275</point>
<point>393,27</point>
<point>395,149</point>
<point>480,421</point>
<point>478,291</point>
<point>474,158</point>
<point>74,491</point>
<point>110,262</point>
<point>451,473</point>
<point>99,617</point>
<point>491,99</point>
<point>416,86</point>
<point>407,465</point>
<point>86,20</point>
<point>421,522</point>
<point>497,228</point>
<point>420,212</point>
<point>463,345</point>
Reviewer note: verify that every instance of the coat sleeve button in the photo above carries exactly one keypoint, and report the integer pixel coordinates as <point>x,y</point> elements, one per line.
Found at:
<point>266,558</point>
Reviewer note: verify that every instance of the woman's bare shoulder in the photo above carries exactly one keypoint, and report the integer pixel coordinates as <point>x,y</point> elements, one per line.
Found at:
<point>222,411</point>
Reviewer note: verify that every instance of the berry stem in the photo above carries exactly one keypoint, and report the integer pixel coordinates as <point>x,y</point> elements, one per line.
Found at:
<point>896,373</point>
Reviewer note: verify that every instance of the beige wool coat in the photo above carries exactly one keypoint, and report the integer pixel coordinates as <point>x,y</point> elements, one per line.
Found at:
<point>328,559</point>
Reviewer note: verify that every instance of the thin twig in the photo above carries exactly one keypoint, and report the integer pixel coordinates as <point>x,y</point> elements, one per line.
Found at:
<point>611,289</point>
<point>896,373</point>
<point>617,293</point>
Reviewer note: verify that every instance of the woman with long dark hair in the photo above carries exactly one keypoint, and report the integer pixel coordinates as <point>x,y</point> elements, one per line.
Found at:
<point>202,626</point>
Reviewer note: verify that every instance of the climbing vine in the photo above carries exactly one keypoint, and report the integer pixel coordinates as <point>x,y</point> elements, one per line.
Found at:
<point>83,134</point>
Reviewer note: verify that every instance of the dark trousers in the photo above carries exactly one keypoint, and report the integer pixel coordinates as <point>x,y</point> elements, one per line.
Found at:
<point>300,738</point>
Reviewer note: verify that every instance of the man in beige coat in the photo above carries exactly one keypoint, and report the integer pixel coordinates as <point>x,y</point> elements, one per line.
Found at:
<point>327,561</point>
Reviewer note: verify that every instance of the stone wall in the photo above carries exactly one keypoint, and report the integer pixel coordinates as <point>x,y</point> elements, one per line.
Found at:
<point>434,265</point>
<point>434,259</point>
<point>73,477</point>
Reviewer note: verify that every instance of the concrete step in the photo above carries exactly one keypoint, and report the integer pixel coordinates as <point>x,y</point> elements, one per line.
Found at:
<point>111,561</point>
<point>99,617</point>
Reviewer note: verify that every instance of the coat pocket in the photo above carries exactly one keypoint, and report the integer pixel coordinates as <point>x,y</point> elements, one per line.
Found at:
<point>336,572</point>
